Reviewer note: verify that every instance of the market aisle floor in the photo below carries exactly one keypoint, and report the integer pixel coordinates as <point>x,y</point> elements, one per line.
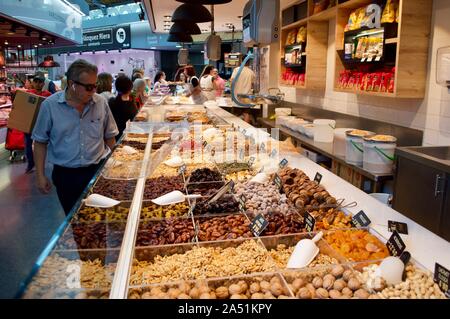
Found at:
<point>27,221</point>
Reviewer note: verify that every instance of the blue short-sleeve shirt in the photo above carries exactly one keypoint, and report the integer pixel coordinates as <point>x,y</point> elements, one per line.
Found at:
<point>75,141</point>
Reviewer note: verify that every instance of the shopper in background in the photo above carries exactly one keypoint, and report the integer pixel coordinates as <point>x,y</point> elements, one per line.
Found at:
<point>180,76</point>
<point>160,80</point>
<point>64,83</point>
<point>220,83</point>
<point>193,86</point>
<point>244,85</point>
<point>77,129</point>
<point>123,106</point>
<point>136,75</point>
<point>139,93</point>
<point>207,83</point>
<point>104,85</point>
<point>49,85</point>
<point>37,84</point>
<point>148,85</point>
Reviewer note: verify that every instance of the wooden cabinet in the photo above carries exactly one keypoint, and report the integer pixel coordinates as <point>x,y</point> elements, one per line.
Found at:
<point>406,51</point>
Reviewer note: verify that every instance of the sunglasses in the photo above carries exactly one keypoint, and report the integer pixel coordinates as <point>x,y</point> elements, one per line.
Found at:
<point>88,87</point>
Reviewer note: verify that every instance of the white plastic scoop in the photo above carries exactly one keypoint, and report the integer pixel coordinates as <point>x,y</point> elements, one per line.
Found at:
<point>304,252</point>
<point>174,197</point>
<point>100,201</point>
<point>129,150</point>
<point>260,178</point>
<point>175,161</point>
<point>392,268</point>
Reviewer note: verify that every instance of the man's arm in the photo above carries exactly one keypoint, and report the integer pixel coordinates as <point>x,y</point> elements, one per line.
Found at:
<point>40,153</point>
<point>111,142</point>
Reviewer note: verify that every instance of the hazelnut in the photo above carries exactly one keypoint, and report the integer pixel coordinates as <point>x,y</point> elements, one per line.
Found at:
<point>334,294</point>
<point>322,293</point>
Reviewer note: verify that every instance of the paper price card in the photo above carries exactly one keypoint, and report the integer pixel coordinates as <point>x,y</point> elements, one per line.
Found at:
<point>395,244</point>
<point>318,178</point>
<point>310,222</point>
<point>283,163</point>
<point>361,220</point>
<point>258,224</point>
<point>182,169</point>
<point>277,181</point>
<point>242,203</point>
<point>251,160</point>
<point>442,278</point>
<point>401,228</point>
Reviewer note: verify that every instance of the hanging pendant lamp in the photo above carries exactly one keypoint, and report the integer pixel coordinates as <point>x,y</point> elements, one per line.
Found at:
<point>186,27</point>
<point>48,63</point>
<point>191,12</point>
<point>214,2</point>
<point>180,37</point>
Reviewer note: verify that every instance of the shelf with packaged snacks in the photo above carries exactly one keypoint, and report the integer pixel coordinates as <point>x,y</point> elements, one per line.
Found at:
<point>404,45</point>
<point>324,15</point>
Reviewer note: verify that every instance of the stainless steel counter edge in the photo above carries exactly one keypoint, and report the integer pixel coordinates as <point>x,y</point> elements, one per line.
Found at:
<point>423,159</point>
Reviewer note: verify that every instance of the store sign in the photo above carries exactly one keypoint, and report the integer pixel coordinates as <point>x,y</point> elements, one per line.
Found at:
<point>401,228</point>
<point>310,222</point>
<point>107,38</point>
<point>442,278</point>
<point>361,220</point>
<point>395,244</point>
<point>258,224</point>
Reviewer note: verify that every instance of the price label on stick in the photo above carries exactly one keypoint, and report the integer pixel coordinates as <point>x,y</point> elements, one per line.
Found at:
<point>361,220</point>
<point>251,160</point>
<point>263,147</point>
<point>205,143</point>
<point>395,244</point>
<point>318,178</point>
<point>283,163</point>
<point>258,224</point>
<point>310,222</point>
<point>242,203</point>
<point>401,228</point>
<point>244,131</point>
<point>442,278</point>
<point>182,169</point>
<point>277,181</point>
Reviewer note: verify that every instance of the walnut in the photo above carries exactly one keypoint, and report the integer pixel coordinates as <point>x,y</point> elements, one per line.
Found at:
<point>339,285</point>
<point>322,293</point>
<point>317,282</point>
<point>304,293</point>
<point>361,294</point>
<point>354,284</point>
<point>334,294</point>
<point>337,271</point>
<point>222,292</point>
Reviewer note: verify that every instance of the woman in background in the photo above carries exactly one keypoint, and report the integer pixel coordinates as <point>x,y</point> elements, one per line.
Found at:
<point>207,83</point>
<point>123,107</point>
<point>194,88</point>
<point>104,85</point>
<point>139,93</point>
<point>220,83</point>
<point>160,80</point>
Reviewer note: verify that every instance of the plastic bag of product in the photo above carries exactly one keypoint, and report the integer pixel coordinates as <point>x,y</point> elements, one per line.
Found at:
<point>389,12</point>
<point>376,82</point>
<point>392,81</point>
<point>320,5</point>
<point>397,14</point>
<point>290,40</point>
<point>360,17</point>
<point>301,35</point>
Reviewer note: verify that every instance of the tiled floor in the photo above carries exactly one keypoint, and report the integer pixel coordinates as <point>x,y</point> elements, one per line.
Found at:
<point>27,221</point>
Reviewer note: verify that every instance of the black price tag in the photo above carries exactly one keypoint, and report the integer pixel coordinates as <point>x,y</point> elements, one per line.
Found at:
<point>395,244</point>
<point>310,222</point>
<point>277,181</point>
<point>401,228</point>
<point>318,178</point>
<point>251,160</point>
<point>361,220</point>
<point>231,186</point>
<point>442,278</point>
<point>182,169</point>
<point>205,143</point>
<point>244,131</point>
<point>258,224</point>
<point>283,163</point>
<point>273,153</point>
<point>242,203</point>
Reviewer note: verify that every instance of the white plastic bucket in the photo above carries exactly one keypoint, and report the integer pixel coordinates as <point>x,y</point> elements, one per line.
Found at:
<point>354,153</point>
<point>340,141</point>
<point>379,154</point>
<point>324,130</point>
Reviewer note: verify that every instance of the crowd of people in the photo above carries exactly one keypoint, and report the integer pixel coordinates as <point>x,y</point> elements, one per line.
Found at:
<point>79,124</point>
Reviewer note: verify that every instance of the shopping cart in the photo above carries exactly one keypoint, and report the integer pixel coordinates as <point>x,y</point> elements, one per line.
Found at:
<point>15,142</point>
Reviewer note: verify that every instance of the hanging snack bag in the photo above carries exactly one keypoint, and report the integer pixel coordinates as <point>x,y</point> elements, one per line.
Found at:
<point>376,82</point>
<point>301,35</point>
<point>389,12</point>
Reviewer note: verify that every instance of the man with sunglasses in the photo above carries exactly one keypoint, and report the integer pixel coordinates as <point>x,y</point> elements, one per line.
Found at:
<point>37,84</point>
<point>77,129</point>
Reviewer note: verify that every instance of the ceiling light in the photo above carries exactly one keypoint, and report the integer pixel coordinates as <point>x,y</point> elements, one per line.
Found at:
<point>40,44</point>
<point>6,42</point>
<point>48,63</point>
<point>192,12</point>
<point>178,46</point>
<point>205,1</point>
<point>35,46</point>
<point>152,48</point>
<point>180,37</point>
<point>167,18</point>
<point>19,46</point>
<point>185,27</point>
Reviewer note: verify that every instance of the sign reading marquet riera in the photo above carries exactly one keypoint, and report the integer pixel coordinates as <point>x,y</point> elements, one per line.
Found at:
<point>108,38</point>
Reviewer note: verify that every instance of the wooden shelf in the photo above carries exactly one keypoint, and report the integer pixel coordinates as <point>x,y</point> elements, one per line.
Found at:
<point>301,87</point>
<point>325,15</point>
<point>295,24</point>
<point>391,41</point>
<point>381,94</point>
<point>354,4</point>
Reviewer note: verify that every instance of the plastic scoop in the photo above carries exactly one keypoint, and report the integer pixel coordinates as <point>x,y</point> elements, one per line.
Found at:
<point>391,268</point>
<point>100,201</point>
<point>260,178</point>
<point>174,197</point>
<point>175,161</point>
<point>129,150</point>
<point>304,252</point>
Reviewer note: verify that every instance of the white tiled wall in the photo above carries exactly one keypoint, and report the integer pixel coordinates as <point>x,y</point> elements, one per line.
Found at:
<point>432,114</point>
